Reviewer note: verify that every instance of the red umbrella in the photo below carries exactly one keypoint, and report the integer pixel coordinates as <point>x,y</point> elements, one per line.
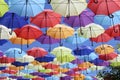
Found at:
<point>104,6</point>
<point>38,78</point>
<point>101,38</point>
<point>37,52</point>
<point>47,18</point>
<point>51,66</point>
<point>9,71</point>
<point>113,31</point>
<point>6,60</point>
<point>28,32</point>
<point>108,56</point>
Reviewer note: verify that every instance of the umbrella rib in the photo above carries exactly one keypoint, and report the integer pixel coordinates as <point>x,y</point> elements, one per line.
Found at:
<point>31,8</point>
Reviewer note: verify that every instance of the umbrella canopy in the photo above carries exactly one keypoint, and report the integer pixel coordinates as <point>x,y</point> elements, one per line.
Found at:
<point>85,65</point>
<point>113,31</point>
<point>28,32</point>
<point>46,58</point>
<point>6,60</point>
<point>60,31</point>
<point>47,18</point>
<point>104,49</point>
<point>5,33</point>
<point>45,39</point>
<point>61,51</point>
<point>25,58</point>
<point>104,6</point>
<point>106,20</point>
<point>37,52</point>
<point>12,20</point>
<point>69,7</point>
<point>91,30</point>
<point>102,38</point>
<point>3,8</point>
<point>18,40</point>
<point>83,50</point>
<point>51,66</point>
<point>17,64</point>
<point>3,41</point>
<point>26,8</point>
<point>14,53</point>
<point>109,56</point>
<point>85,18</point>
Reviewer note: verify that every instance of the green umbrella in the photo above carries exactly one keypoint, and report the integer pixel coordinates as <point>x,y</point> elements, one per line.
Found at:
<point>3,7</point>
<point>59,51</point>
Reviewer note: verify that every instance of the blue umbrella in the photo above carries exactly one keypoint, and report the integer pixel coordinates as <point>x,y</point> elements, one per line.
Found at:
<point>12,20</point>
<point>26,8</point>
<point>2,68</point>
<point>75,39</point>
<point>90,57</point>
<point>53,78</point>
<point>17,64</point>
<point>68,65</point>
<point>106,20</point>
<point>14,53</point>
<point>83,50</point>
<point>3,41</point>
<point>40,74</point>
<point>27,71</point>
<point>46,58</point>
<point>88,78</point>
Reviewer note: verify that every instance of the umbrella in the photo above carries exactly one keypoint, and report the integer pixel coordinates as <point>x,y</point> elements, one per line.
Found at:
<point>69,7</point>
<point>47,18</point>
<point>60,31</point>
<point>37,52</point>
<point>79,77</point>
<point>6,60</point>
<point>117,59</point>
<point>45,39</point>
<point>38,78</point>
<point>61,51</point>
<point>66,78</point>
<point>9,71</point>
<point>104,49</point>
<point>26,8</point>
<point>91,30</point>
<point>1,53</point>
<point>22,41</point>
<point>109,56</point>
<point>4,33</point>
<point>106,20</point>
<point>46,58</point>
<point>83,50</point>
<point>12,20</point>
<point>77,61</point>
<point>51,66</point>
<point>3,8</point>
<point>12,67</point>
<point>99,62</point>
<point>85,18</point>
<point>53,78</point>
<point>14,53</point>
<point>17,64</point>
<point>113,31</point>
<point>28,32</point>
<point>101,38</point>
<point>69,65</point>
<point>104,6</point>
<point>25,58</point>
<point>3,41</point>
<point>85,65</point>
<point>115,64</point>
<point>75,39</point>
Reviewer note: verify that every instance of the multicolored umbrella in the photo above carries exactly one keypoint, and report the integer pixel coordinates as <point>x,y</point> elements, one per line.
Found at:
<point>47,18</point>
<point>85,18</point>
<point>3,8</point>
<point>104,6</point>
<point>26,8</point>
<point>69,7</point>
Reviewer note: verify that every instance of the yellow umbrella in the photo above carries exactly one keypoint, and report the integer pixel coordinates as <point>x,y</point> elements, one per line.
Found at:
<point>79,77</point>
<point>60,31</point>
<point>85,65</point>
<point>3,7</point>
<point>104,49</point>
<point>18,40</point>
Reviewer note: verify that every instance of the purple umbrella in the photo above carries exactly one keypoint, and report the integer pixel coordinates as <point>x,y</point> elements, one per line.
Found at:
<point>85,18</point>
<point>66,78</point>
<point>117,38</point>
<point>1,54</point>
<point>77,61</point>
<point>45,39</point>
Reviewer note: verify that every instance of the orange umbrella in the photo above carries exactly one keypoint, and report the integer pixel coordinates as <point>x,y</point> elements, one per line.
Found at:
<point>79,77</point>
<point>104,49</point>
<point>85,65</point>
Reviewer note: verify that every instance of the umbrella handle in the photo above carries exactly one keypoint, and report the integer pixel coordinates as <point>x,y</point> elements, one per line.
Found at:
<point>49,1</point>
<point>111,16</point>
<point>96,1</point>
